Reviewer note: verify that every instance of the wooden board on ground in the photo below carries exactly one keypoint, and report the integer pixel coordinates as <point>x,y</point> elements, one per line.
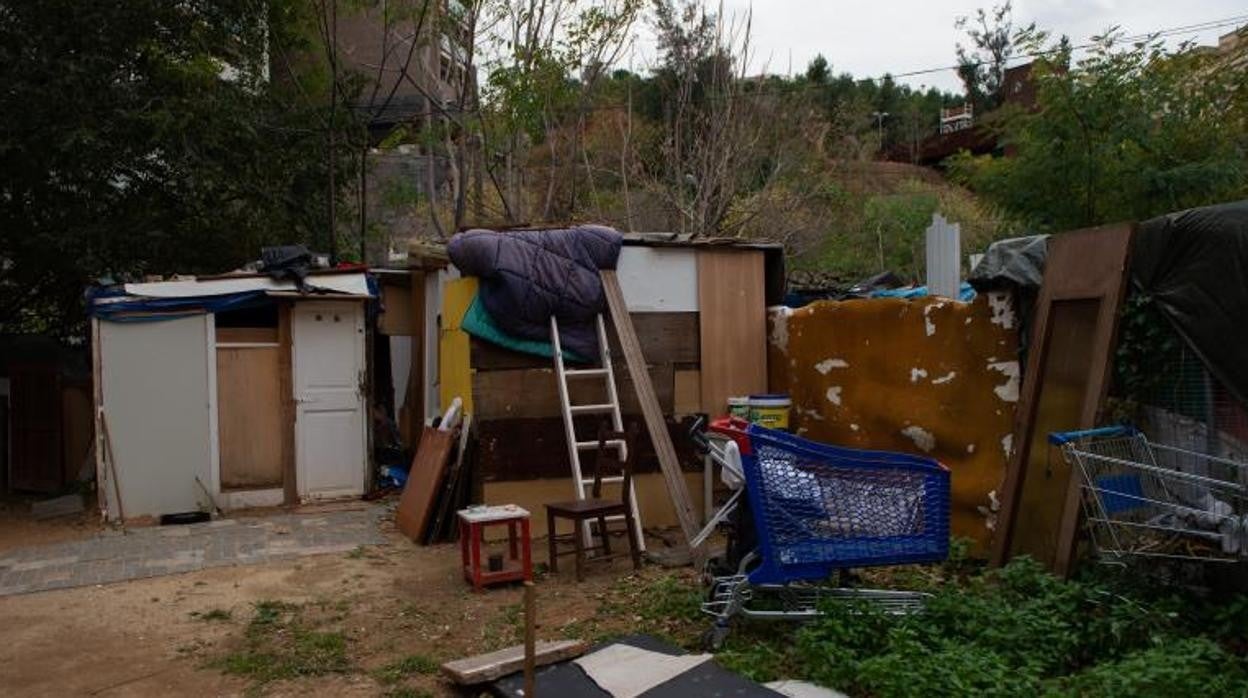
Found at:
<point>650,409</point>
<point>482,668</point>
<point>424,483</point>
<point>1065,382</point>
<point>732,316</point>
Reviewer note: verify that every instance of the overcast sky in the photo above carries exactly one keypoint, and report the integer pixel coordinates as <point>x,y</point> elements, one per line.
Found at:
<point>869,38</point>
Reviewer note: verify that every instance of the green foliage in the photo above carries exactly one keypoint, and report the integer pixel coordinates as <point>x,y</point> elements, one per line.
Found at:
<point>1147,344</point>
<point>1125,133</point>
<point>1015,631</point>
<point>280,644</point>
<point>410,665</point>
<point>125,150</point>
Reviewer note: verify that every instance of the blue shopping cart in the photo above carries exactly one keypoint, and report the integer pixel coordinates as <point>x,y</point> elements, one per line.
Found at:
<point>818,509</point>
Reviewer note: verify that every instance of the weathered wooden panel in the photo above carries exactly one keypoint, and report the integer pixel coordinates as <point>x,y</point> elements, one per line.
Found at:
<point>534,392</point>
<point>665,337</point>
<point>246,335</point>
<point>35,423</point>
<point>527,448</point>
<point>733,325</point>
<point>1067,376</point>
<point>454,369</point>
<point>250,417</point>
<point>687,392</point>
<point>78,428</point>
<point>396,316</point>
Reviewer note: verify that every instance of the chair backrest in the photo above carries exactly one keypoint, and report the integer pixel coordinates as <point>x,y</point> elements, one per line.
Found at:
<point>608,458</point>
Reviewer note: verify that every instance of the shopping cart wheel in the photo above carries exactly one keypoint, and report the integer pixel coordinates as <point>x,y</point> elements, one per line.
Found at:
<point>713,638</point>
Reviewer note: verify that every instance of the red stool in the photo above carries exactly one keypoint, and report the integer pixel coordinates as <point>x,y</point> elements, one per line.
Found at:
<point>472,524</point>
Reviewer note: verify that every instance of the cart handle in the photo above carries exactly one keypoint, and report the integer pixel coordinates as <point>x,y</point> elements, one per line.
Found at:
<point>1061,438</point>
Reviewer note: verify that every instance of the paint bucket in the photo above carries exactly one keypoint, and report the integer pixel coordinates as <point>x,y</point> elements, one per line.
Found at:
<point>771,411</point>
<point>739,407</point>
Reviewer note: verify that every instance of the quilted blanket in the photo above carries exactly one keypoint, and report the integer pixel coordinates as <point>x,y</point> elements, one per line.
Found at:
<point>529,275</point>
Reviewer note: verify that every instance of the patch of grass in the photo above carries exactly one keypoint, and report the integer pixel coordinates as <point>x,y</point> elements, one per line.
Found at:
<point>410,665</point>
<point>213,614</point>
<point>280,644</point>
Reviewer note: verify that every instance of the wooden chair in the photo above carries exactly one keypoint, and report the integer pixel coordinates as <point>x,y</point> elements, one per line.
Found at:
<point>596,509</point>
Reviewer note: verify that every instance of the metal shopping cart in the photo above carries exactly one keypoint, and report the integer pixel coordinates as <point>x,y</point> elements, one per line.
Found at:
<point>1145,499</point>
<point>818,509</point>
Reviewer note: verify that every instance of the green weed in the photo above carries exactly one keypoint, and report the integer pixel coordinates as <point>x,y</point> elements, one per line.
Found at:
<point>410,665</point>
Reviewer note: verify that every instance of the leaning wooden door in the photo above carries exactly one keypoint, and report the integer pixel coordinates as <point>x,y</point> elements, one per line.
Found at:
<point>1064,384</point>
<point>252,423</point>
<point>35,409</point>
<point>330,445</point>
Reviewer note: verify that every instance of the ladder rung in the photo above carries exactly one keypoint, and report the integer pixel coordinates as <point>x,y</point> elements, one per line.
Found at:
<point>609,480</point>
<point>591,409</point>
<point>585,372</point>
<point>611,443</point>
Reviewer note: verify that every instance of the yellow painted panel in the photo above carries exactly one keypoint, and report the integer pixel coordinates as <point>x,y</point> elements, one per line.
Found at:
<point>930,376</point>
<point>454,369</point>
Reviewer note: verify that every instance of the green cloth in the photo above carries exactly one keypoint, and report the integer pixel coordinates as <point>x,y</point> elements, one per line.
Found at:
<point>478,323</point>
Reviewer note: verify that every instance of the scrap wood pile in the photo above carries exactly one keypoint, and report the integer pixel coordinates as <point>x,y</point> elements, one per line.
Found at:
<point>437,484</point>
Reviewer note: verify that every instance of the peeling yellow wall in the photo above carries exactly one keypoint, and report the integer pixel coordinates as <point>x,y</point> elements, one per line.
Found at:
<point>930,376</point>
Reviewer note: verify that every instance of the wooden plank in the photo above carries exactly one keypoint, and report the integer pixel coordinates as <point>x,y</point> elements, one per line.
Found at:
<point>687,392</point>
<point>396,319</point>
<point>290,484</point>
<point>414,400</point>
<point>733,321</point>
<point>483,668</point>
<point>667,337</point>
<point>77,429</point>
<point>545,447</point>
<point>1066,379</point>
<point>650,408</point>
<point>250,417</point>
<point>424,482</point>
<point>246,335</point>
<point>534,392</point>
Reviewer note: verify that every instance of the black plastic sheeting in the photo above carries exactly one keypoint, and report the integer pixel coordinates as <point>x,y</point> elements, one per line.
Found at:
<point>1018,261</point>
<point>1194,265</point>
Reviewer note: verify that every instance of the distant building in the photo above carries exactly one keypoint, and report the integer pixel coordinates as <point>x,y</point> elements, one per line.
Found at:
<point>956,119</point>
<point>415,67</point>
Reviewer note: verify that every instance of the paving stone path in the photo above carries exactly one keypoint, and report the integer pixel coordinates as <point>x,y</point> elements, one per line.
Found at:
<point>111,556</point>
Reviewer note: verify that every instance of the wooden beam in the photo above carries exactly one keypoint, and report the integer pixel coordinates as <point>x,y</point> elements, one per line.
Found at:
<point>650,409</point>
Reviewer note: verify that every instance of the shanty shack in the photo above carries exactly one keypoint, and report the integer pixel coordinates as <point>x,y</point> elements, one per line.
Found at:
<point>699,311</point>
<point>231,391</point>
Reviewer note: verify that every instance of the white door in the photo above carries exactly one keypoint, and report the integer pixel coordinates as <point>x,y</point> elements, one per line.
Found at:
<point>330,446</point>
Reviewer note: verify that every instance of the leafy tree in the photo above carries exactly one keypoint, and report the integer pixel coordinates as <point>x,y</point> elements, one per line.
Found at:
<point>1128,132</point>
<point>145,137</point>
<point>981,65</point>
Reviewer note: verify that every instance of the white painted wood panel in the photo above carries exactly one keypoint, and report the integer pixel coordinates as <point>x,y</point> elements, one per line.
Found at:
<point>659,279</point>
<point>155,395</point>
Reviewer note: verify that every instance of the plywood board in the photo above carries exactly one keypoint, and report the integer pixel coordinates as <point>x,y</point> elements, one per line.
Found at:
<point>687,392</point>
<point>251,419</point>
<point>1064,385</point>
<point>658,279</point>
<point>396,317</point>
<point>454,353</point>
<point>246,335</point>
<point>733,326</point>
<point>424,482</point>
<point>482,668</point>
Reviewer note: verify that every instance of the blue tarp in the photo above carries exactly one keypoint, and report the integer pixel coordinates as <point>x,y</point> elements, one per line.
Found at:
<point>145,309</point>
<point>966,293</point>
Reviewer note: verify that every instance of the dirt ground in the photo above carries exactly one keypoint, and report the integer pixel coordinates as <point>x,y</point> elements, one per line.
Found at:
<point>18,529</point>
<point>173,635</point>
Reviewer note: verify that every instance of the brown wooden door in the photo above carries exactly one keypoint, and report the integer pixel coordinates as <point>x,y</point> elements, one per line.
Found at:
<point>1064,384</point>
<point>35,416</point>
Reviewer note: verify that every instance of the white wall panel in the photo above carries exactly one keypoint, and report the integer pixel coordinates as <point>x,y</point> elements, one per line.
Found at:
<point>659,279</point>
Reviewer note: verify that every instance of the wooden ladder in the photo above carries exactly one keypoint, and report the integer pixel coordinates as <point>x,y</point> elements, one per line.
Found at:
<point>606,372</point>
